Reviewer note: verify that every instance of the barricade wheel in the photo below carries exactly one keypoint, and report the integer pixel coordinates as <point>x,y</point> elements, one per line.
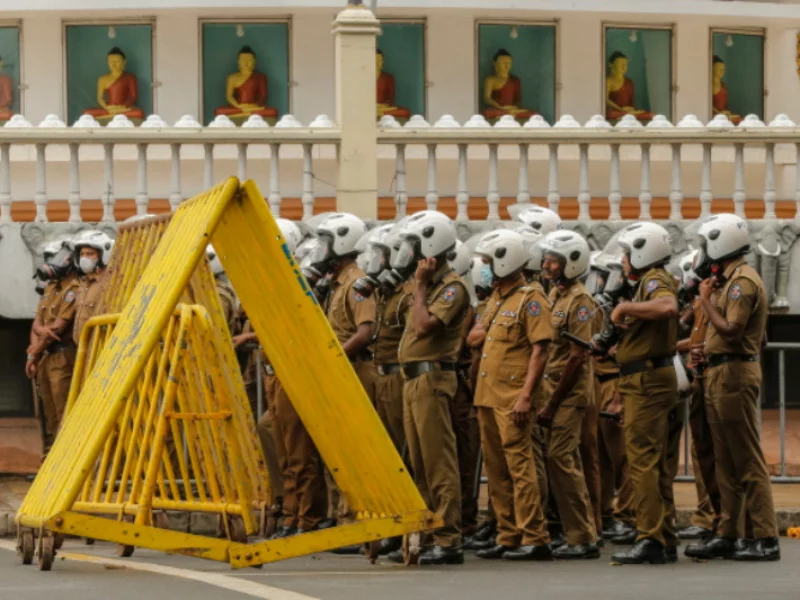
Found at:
<point>371,550</point>
<point>47,552</point>
<point>88,541</point>
<point>238,533</point>
<point>412,548</point>
<point>124,551</point>
<point>58,541</point>
<point>26,547</point>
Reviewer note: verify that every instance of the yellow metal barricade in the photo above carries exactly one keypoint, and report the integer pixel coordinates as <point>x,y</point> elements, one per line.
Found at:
<point>163,370</point>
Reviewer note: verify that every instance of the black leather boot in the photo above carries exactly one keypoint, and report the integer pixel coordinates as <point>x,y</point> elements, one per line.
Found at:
<point>764,549</point>
<point>716,547</point>
<point>693,532</point>
<point>538,553</point>
<point>578,551</point>
<point>626,539</point>
<point>617,528</point>
<point>389,545</point>
<point>283,532</point>
<point>645,551</point>
<point>438,555</point>
<point>494,553</point>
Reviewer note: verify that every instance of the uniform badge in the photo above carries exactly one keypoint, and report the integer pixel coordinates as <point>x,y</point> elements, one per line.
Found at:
<point>652,285</point>
<point>69,297</point>
<point>358,297</point>
<point>736,291</point>
<point>534,308</point>
<point>450,294</point>
<point>508,313</point>
<point>583,313</point>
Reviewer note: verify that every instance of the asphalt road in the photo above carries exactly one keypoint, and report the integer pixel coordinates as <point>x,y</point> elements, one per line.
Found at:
<point>77,575</point>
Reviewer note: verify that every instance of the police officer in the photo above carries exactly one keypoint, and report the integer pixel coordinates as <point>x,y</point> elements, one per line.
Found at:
<point>736,333</point>
<point>51,353</point>
<point>513,333</point>
<point>570,383</point>
<point>225,291</point>
<point>92,253</point>
<point>429,353</point>
<point>648,386</point>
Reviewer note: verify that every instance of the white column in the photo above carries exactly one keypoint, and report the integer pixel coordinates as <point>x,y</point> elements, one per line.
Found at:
<point>275,179</point>
<point>432,197</point>
<point>142,197</point>
<point>175,196</point>
<point>401,197</point>
<point>40,196</point>
<point>705,185</point>
<point>584,197</point>
<point>208,166</point>
<point>796,184</point>
<point>493,195</point>
<point>74,197</point>
<point>769,183</point>
<point>355,30</point>
<point>524,193</point>
<point>462,193</point>
<point>676,195</point>
<point>645,197</point>
<point>615,194</point>
<point>108,195</point>
<point>553,195</point>
<point>308,182</point>
<point>241,171</point>
<point>5,183</point>
<point>739,197</point>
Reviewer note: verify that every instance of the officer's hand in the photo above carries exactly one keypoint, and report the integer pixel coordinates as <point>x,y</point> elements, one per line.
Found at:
<point>616,407</point>
<point>618,315</point>
<point>707,287</point>
<point>238,340</point>
<point>425,270</point>
<point>697,354</point>
<point>521,410</point>
<point>30,369</point>
<point>545,416</point>
<point>51,334</point>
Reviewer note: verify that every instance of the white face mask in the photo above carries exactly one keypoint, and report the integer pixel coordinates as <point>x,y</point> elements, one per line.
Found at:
<point>88,265</point>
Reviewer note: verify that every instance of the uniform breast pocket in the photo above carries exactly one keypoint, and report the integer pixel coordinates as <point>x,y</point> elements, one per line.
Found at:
<point>512,375</point>
<point>506,331</point>
<point>558,322</point>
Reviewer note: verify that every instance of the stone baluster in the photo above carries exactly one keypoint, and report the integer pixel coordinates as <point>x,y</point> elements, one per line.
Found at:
<point>208,165</point>
<point>524,192</point>
<point>739,196</point>
<point>275,179</point>
<point>584,196</point>
<point>645,197</point>
<point>175,196</point>
<point>142,196</point>
<point>401,197</point>
<point>432,196</point>
<point>308,182</point>
<point>74,198</point>
<point>796,184</point>
<point>553,195</point>
<point>705,185</point>
<point>676,194</point>
<point>5,183</point>
<point>493,194</point>
<point>108,183</point>
<point>40,195</point>
<point>614,193</point>
<point>241,156</point>
<point>769,183</point>
<point>462,192</point>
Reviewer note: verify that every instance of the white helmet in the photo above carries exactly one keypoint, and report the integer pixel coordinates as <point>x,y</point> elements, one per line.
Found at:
<point>505,250</point>
<point>137,218</point>
<point>376,248</point>
<point>460,259</point>
<point>541,219</point>
<point>426,234</point>
<point>572,251</point>
<point>686,265</point>
<point>93,239</point>
<point>338,236</point>
<point>290,232</point>
<point>213,261</point>
<point>52,248</point>
<point>533,240</point>
<point>723,236</point>
<point>647,245</point>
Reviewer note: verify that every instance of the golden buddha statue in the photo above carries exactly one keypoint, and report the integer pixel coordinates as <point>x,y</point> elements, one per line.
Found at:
<point>385,92</point>
<point>620,91</point>
<point>117,91</point>
<point>719,92</point>
<point>246,90</point>
<point>502,91</point>
<point>6,95</point>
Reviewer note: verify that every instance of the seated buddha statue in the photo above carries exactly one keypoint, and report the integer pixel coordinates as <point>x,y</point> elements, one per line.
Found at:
<point>6,95</point>
<point>385,92</point>
<point>117,91</point>
<point>246,90</point>
<point>502,91</point>
<point>620,91</point>
<point>719,92</point>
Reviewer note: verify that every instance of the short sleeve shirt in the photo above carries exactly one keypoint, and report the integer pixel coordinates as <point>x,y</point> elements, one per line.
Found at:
<point>346,308</point>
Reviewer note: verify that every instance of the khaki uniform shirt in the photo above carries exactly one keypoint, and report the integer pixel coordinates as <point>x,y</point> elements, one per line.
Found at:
<point>90,288</point>
<point>447,300</point>
<point>391,323</point>
<point>227,298</point>
<point>347,309</point>
<point>514,322</point>
<point>742,300</point>
<point>571,310</point>
<point>603,365</point>
<point>59,301</point>
<point>465,358</point>
<point>649,339</point>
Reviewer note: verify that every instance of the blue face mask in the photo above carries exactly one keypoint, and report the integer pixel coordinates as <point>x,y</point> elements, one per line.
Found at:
<point>487,277</point>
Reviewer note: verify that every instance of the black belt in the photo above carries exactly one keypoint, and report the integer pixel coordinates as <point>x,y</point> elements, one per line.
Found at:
<point>389,369</point>
<point>646,364</point>
<point>607,377</point>
<point>715,360</point>
<point>57,346</point>
<point>415,369</point>
<point>362,356</point>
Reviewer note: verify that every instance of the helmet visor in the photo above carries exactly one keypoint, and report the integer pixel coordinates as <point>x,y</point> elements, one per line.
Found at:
<point>376,259</point>
<point>615,280</point>
<point>322,250</point>
<point>407,254</point>
<point>595,282</point>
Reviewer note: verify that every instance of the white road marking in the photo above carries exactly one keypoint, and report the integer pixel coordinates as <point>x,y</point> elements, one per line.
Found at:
<point>243,586</point>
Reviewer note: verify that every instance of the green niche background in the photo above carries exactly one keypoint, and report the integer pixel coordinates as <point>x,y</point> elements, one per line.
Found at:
<point>9,51</point>
<point>221,45</point>
<point>744,72</point>
<point>87,47</point>
<point>649,66</point>
<point>533,55</point>
<point>403,47</point>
